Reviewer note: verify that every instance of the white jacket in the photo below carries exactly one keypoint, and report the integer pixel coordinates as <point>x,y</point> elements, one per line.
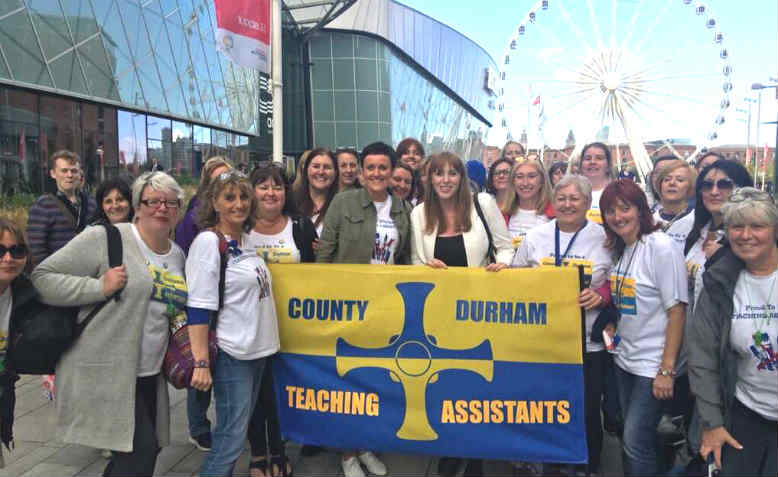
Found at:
<point>476,240</point>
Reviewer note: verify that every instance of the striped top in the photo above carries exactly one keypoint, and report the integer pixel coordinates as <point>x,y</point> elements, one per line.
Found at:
<point>49,228</point>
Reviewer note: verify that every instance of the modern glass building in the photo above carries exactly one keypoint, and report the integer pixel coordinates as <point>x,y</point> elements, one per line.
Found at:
<point>123,81</point>
<point>383,71</point>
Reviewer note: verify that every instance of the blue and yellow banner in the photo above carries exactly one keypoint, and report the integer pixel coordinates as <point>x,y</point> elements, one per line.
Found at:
<point>456,362</point>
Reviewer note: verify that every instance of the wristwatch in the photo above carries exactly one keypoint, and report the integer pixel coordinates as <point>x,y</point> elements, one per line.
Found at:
<point>202,363</point>
<point>666,372</point>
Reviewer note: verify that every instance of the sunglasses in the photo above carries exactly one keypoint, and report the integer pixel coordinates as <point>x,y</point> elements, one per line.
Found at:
<point>232,173</point>
<point>721,184</point>
<point>17,251</point>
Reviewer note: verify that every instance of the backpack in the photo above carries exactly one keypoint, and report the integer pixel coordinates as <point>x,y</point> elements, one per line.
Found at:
<point>40,333</point>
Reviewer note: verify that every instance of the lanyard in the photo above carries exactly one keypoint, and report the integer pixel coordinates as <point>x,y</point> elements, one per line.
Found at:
<point>558,258</point>
<point>620,281</point>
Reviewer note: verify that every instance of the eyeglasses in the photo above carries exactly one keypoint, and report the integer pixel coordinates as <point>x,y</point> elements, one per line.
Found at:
<point>721,184</point>
<point>157,203</point>
<point>502,173</point>
<point>231,173</point>
<point>17,251</point>
<point>750,193</point>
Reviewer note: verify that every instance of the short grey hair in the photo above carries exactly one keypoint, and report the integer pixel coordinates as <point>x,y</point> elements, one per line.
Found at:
<point>748,205</point>
<point>580,182</point>
<point>159,181</point>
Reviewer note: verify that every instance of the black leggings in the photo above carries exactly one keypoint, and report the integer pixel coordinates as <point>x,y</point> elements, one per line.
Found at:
<point>265,419</point>
<point>594,380</point>
<point>145,447</point>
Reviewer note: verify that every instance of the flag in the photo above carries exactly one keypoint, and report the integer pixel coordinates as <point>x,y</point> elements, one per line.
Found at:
<point>243,32</point>
<point>537,101</point>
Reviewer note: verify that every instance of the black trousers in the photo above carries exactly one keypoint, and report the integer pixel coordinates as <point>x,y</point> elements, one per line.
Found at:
<point>758,437</point>
<point>594,382</point>
<point>264,427</point>
<point>145,447</point>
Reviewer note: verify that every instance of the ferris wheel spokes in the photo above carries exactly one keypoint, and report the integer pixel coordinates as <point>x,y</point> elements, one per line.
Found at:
<point>574,26</point>
<point>595,26</point>
<point>647,34</point>
<point>632,23</point>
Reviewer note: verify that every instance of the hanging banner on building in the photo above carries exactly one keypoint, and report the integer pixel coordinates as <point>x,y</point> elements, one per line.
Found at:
<point>410,359</point>
<point>243,32</point>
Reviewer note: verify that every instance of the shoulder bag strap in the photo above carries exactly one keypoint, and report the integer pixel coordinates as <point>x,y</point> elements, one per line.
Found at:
<point>480,213</point>
<point>65,210</point>
<point>222,274</point>
<point>115,251</point>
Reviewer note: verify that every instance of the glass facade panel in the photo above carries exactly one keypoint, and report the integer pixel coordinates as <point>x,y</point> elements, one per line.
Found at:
<point>132,141</point>
<point>158,56</point>
<point>100,152</point>
<point>22,164</point>
<point>386,98</point>
<point>321,74</point>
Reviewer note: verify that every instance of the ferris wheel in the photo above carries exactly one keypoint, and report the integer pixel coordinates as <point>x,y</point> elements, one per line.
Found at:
<point>621,72</point>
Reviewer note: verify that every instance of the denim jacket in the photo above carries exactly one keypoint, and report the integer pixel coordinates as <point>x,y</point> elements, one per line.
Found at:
<point>349,229</point>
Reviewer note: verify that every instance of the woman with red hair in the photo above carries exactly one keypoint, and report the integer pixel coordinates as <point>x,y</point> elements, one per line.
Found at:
<point>648,286</point>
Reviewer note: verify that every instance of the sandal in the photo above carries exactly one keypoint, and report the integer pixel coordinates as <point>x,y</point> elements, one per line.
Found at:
<point>261,465</point>
<point>280,463</point>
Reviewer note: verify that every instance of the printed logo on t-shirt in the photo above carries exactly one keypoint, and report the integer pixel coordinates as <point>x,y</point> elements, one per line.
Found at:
<point>3,342</point>
<point>280,254</point>
<point>623,292</point>
<point>572,262</point>
<point>264,283</point>
<point>763,352</point>
<point>169,289</point>
<point>382,250</point>
<point>594,215</point>
<point>518,239</point>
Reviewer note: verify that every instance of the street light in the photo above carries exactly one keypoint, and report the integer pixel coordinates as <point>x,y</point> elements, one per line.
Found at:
<point>759,87</point>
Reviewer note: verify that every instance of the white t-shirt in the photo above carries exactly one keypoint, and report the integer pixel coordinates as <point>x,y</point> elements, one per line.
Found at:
<point>753,339</point>
<point>538,249</point>
<point>6,303</point>
<point>247,326</point>
<point>522,222</point>
<point>679,228</point>
<point>594,214</point>
<point>386,235</point>
<point>695,266</point>
<point>167,308</point>
<point>649,278</point>
<point>276,248</point>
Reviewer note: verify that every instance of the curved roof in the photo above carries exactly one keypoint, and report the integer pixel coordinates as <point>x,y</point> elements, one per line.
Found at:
<point>455,60</point>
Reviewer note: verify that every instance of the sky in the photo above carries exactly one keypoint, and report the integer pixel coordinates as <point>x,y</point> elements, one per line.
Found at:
<point>663,44</point>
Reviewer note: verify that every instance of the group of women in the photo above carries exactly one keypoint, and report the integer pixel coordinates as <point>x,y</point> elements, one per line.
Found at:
<point>679,301</point>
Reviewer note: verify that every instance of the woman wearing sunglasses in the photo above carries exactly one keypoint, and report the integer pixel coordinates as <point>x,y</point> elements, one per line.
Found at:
<point>15,291</point>
<point>498,183</point>
<point>714,186</point>
<point>112,394</point>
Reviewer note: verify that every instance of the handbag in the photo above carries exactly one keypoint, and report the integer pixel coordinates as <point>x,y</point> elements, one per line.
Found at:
<point>179,363</point>
<point>40,333</point>
<point>491,251</point>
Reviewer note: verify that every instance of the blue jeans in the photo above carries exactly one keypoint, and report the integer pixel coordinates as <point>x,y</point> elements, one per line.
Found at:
<point>197,403</point>
<point>641,411</point>
<point>235,389</point>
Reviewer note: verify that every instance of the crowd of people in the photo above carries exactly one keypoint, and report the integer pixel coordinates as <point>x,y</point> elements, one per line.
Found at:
<point>679,297</point>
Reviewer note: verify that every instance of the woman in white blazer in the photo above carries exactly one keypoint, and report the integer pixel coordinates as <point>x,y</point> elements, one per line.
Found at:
<point>446,227</point>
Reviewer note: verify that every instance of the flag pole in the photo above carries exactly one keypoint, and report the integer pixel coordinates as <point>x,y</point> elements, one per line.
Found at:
<point>277,82</point>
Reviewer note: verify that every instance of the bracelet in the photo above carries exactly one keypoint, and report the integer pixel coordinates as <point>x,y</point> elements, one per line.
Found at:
<point>666,372</point>
<point>202,363</point>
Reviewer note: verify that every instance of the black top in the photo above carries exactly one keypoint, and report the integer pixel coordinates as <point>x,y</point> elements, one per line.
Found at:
<point>451,250</point>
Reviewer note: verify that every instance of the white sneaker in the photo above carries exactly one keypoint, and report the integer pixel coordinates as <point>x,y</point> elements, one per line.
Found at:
<point>351,468</point>
<point>373,463</point>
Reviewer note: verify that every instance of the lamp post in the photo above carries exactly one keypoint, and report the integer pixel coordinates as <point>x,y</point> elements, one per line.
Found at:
<point>759,87</point>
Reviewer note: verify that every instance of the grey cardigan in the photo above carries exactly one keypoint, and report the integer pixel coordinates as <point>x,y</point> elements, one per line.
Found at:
<point>712,363</point>
<point>96,377</point>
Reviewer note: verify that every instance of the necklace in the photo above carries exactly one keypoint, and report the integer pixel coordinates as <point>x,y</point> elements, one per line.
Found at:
<point>670,223</point>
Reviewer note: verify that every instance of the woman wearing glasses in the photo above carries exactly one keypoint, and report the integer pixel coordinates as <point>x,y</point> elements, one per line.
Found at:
<point>246,324</point>
<point>498,183</point>
<point>111,377</point>
<point>732,341</point>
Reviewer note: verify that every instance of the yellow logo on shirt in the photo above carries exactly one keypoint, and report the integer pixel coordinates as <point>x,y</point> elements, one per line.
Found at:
<point>171,290</point>
<point>623,292</point>
<point>572,262</point>
<point>594,215</point>
<point>517,240</point>
<point>276,254</point>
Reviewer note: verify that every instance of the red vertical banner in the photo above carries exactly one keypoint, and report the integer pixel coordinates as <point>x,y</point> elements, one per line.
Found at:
<point>243,32</point>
